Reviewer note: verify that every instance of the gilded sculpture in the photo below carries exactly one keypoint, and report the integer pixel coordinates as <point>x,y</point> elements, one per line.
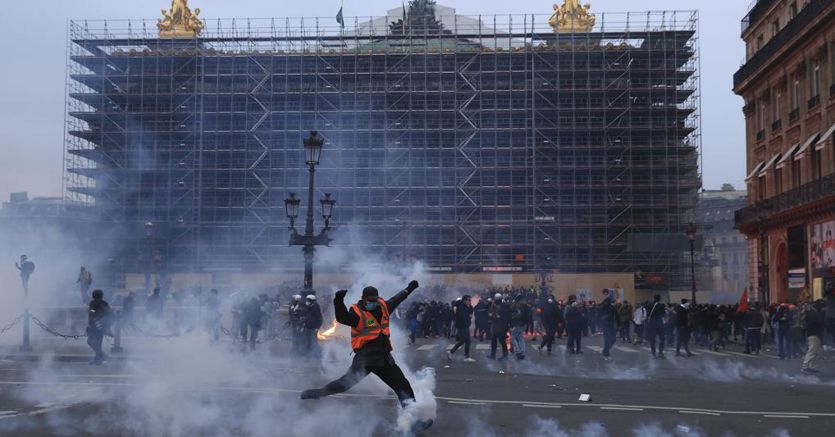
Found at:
<point>180,21</point>
<point>572,17</point>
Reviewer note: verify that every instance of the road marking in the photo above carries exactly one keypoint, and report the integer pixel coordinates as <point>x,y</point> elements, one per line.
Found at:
<point>277,390</point>
<point>427,347</point>
<point>541,406</point>
<point>595,348</point>
<point>710,352</point>
<point>626,349</point>
<point>466,403</point>
<point>706,413</point>
<point>482,347</point>
<point>622,408</point>
<point>785,416</point>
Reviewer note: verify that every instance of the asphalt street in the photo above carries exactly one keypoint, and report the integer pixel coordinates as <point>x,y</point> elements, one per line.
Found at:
<point>713,393</point>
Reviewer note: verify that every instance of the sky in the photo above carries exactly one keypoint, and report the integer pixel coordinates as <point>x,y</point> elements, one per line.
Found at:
<point>33,43</point>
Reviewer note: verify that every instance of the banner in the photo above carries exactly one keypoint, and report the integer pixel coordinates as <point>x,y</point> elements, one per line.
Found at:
<point>823,245</point>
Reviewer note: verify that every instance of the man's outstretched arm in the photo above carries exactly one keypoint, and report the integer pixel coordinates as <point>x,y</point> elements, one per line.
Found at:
<point>398,298</point>
<point>343,315</point>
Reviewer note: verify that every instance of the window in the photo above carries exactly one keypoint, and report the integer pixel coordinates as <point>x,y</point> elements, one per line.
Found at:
<point>778,181</point>
<point>759,42</point>
<point>816,164</point>
<point>814,85</point>
<point>763,110</point>
<point>778,104</point>
<point>792,11</point>
<point>795,173</point>
<point>761,188</point>
<point>795,94</point>
<point>775,27</point>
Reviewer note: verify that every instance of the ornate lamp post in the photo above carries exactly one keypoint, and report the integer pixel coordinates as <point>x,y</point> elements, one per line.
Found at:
<point>691,235</point>
<point>309,240</point>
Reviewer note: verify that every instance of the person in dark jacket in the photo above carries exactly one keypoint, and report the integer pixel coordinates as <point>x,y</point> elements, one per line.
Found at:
<point>518,324</point>
<point>251,321</point>
<point>574,323</point>
<point>312,324</point>
<point>499,324</point>
<point>753,324</point>
<point>482,319</point>
<point>369,322</point>
<point>155,305</point>
<point>684,327</point>
<point>463,314</point>
<point>551,318</point>
<point>607,317</point>
<point>655,326</point>
<point>98,324</point>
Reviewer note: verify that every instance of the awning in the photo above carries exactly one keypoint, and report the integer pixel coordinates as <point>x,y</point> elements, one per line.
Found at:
<point>787,156</point>
<point>769,164</point>
<point>755,171</point>
<point>822,142</point>
<point>809,142</point>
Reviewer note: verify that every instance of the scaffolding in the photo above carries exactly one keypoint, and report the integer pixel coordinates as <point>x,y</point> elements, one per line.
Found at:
<point>470,143</point>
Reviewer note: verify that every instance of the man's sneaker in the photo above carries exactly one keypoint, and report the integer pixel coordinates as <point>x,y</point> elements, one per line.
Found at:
<point>809,371</point>
<point>520,357</point>
<point>607,358</point>
<point>449,355</point>
<point>469,360</point>
<point>421,425</point>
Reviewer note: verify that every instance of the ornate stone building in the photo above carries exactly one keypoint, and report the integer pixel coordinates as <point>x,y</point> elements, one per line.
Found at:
<point>788,83</point>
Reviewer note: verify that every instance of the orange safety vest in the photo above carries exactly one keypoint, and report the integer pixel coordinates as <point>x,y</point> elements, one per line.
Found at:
<point>368,328</point>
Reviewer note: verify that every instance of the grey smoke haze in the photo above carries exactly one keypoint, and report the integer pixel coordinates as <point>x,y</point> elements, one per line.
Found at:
<point>33,45</point>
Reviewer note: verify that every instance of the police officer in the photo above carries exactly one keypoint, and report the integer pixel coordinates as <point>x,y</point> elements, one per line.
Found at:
<point>98,321</point>
<point>369,322</point>
<point>296,313</point>
<point>574,322</point>
<point>312,323</point>
<point>500,323</point>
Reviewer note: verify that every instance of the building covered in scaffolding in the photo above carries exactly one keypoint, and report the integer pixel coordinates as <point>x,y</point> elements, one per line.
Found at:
<point>498,144</point>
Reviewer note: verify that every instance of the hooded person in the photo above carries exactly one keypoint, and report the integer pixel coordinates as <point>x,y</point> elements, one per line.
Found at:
<point>370,340</point>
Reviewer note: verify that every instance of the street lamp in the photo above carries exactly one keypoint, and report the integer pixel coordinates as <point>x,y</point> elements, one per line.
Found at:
<point>691,235</point>
<point>312,150</point>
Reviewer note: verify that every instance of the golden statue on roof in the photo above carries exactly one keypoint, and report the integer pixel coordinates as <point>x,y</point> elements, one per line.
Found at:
<point>180,21</point>
<point>572,17</point>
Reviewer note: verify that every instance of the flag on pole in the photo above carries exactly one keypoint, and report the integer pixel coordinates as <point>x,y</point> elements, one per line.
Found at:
<point>339,18</point>
<point>743,302</point>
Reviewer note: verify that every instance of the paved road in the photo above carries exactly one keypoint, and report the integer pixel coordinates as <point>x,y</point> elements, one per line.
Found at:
<point>234,393</point>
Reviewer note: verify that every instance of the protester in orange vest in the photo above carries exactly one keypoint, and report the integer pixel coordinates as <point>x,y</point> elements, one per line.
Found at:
<point>369,322</point>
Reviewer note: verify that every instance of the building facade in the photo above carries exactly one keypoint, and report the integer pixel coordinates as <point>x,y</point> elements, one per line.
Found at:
<point>723,266</point>
<point>788,84</point>
<point>497,144</point>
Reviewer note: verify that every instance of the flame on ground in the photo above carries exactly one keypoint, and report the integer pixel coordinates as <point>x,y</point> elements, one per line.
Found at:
<point>328,333</point>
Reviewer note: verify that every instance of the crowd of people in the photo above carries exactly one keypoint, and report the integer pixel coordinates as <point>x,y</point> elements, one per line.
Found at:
<point>506,316</point>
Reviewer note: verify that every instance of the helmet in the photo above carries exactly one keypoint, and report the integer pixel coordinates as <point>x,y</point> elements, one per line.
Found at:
<point>497,296</point>
<point>311,297</point>
<point>297,297</point>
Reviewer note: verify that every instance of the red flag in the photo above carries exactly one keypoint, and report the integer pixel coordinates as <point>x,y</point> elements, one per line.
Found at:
<point>743,301</point>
